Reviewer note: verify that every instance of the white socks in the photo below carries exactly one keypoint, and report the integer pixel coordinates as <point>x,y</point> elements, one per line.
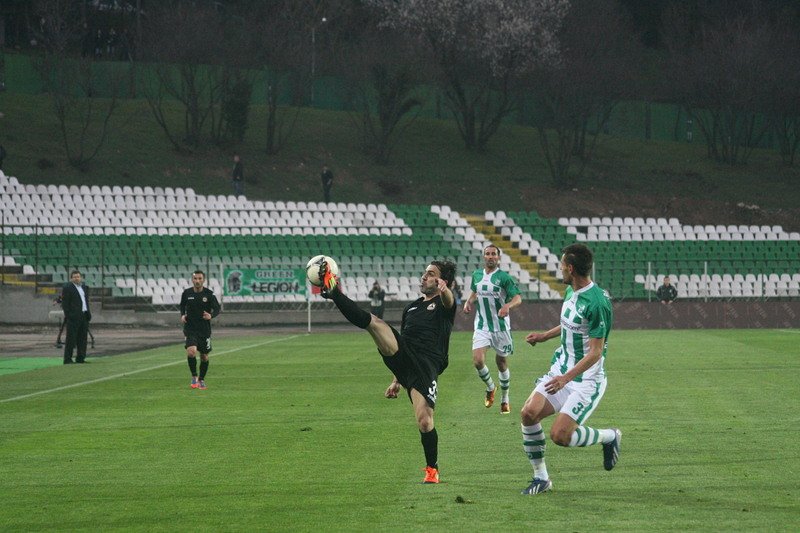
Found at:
<point>586,436</point>
<point>505,380</point>
<point>533,443</point>
<point>483,373</point>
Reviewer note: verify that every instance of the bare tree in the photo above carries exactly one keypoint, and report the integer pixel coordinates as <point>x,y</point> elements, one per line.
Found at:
<point>480,48</point>
<point>184,41</point>
<point>719,59</point>
<point>785,120</point>
<point>576,96</point>
<point>783,90</point>
<point>74,83</point>
<point>280,49</point>
<point>381,69</point>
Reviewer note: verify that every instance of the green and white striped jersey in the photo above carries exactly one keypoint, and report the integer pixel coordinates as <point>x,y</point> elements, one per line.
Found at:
<point>585,314</point>
<point>492,292</point>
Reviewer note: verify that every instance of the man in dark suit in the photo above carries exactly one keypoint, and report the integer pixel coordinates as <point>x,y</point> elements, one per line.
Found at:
<point>75,303</point>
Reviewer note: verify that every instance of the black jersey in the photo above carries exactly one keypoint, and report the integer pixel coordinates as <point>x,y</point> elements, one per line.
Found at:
<point>426,328</point>
<point>193,305</point>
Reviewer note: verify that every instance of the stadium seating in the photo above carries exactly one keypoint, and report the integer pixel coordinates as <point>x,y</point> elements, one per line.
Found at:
<point>145,241</point>
<point>634,254</point>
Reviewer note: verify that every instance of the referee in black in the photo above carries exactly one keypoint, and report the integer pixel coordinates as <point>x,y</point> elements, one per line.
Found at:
<point>198,307</point>
<point>418,354</point>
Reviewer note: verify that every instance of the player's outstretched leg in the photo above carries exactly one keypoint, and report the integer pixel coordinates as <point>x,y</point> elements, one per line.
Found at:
<point>586,436</point>
<point>537,486</point>
<point>330,290</point>
<point>611,450</point>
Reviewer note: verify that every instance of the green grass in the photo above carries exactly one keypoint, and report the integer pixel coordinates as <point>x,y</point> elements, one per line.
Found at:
<point>429,166</point>
<point>293,434</point>
<point>12,365</point>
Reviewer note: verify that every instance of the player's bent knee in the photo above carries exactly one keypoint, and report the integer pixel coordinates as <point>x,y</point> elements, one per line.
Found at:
<point>191,351</point>
<point>560,436</point>
<point>530,413</point>
<point>502,362</point>
<point>425,423</point>
<point>383,336</point>
<point>529,418</point>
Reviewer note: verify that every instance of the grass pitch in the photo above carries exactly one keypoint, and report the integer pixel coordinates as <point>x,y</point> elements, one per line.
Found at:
<point>293,434</point>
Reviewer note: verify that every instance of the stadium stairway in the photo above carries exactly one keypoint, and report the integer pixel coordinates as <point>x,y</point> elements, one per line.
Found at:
<point>460,230</point>
<point>511,249</point>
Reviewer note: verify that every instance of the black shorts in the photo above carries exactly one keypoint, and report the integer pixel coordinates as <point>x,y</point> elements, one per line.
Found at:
<point>199,340</point>
<point>413,370</point>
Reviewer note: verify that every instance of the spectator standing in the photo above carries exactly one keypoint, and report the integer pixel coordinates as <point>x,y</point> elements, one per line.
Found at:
<point>327,182</point>
<point>99,44</point>
<point>86,41</point>
<point>237,176</point>
<point>666,292</point>
<point>376,297</point>
<point>111,44</point>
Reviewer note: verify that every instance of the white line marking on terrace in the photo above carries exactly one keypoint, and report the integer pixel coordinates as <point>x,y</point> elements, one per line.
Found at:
<point>139,371</point>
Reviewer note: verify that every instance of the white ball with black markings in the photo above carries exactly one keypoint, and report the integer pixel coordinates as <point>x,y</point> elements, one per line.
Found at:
<point>314,269</point>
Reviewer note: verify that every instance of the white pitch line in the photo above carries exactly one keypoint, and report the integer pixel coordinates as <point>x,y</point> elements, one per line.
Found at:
<point>139,371</point>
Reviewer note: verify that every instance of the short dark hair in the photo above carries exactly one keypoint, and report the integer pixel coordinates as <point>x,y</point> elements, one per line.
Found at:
<point>492,246</point>
<point>75,272</point>
<point>580,257</point>
<point>447,270</point>
<point>199,272</point>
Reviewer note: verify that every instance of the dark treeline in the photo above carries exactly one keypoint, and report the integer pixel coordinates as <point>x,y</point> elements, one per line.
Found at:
<point>734,67</point>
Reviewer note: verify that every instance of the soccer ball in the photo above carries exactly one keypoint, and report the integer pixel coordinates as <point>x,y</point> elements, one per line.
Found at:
<point>315,265</point>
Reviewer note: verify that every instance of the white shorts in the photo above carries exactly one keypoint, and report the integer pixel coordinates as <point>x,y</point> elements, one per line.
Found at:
<point>577,400</point>
<point>500,341</point>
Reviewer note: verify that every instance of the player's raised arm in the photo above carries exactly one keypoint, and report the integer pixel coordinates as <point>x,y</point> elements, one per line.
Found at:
<point>446,294</point>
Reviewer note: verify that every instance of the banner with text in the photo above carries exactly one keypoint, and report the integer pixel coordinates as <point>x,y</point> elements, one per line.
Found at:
<point>264,281</point>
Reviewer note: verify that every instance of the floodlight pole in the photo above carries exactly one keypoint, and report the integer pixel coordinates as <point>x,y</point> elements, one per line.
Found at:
<point>314,56</point>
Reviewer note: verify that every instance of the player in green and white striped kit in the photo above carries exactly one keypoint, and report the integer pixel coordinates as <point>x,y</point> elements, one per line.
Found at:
<point>495,293</point>
<point>573,387</point>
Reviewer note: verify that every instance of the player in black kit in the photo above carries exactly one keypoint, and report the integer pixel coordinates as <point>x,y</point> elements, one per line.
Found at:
<point>418,354</point>
<point>198,307</point>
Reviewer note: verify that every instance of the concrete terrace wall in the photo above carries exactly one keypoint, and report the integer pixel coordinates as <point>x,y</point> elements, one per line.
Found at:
<point>20,306</point>
<point>679,315</point>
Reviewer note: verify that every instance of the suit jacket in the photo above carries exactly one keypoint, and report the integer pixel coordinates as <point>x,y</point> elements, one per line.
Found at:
<point>71,301</point>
